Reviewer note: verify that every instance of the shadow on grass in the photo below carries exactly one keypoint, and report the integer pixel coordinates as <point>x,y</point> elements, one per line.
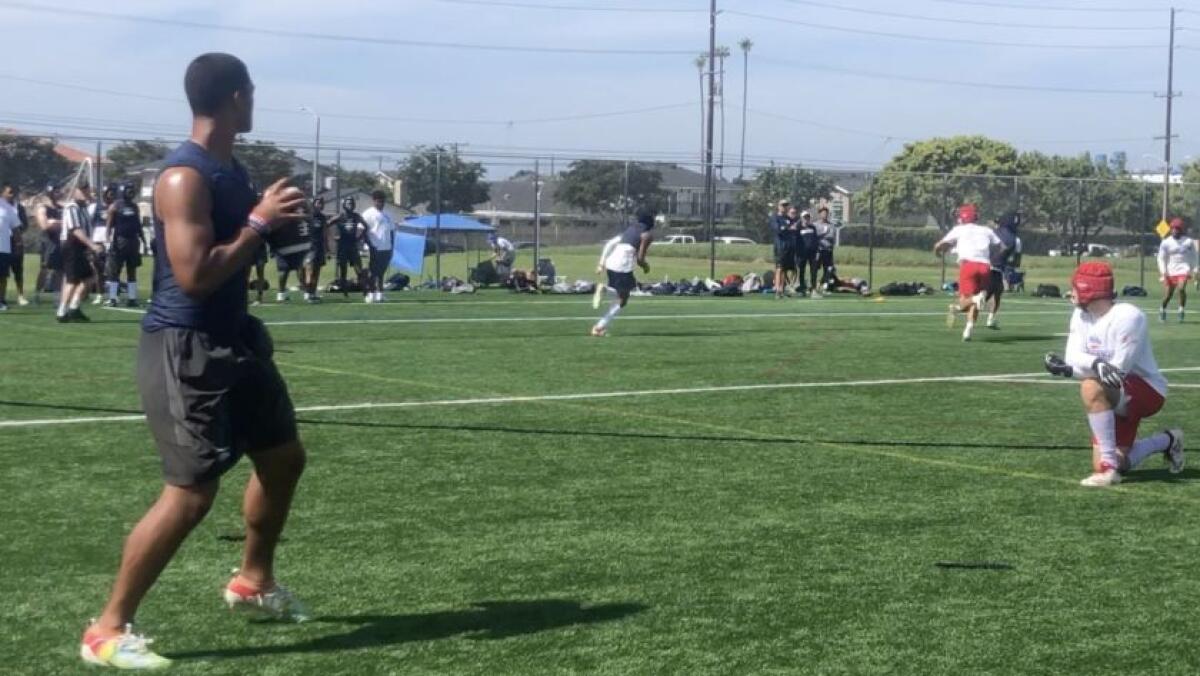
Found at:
<point>991,337</point>
<point>1160,476</point>
<point>664,436</point>
<point>486,620</point>
<point>69,407</point>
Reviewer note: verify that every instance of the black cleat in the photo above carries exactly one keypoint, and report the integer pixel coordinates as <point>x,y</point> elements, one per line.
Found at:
<point>131,303</point>
<point>111,302</point>
<point>77,315</point>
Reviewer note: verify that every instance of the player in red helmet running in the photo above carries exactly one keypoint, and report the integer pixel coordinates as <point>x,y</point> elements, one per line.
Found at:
<point>1109,351</point>
<point>974,244</point>
<point>1176,263</point>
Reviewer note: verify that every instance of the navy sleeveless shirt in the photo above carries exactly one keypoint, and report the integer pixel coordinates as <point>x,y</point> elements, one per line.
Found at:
<point>222,313</point>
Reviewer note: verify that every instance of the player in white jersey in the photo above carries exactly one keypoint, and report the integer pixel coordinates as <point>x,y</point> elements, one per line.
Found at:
<point>1176,263</point>
<point>617,260</point>
<point>974,244</point>
<point>1109,352</point>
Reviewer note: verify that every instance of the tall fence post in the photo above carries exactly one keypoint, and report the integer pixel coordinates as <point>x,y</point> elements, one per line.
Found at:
<point>1080,232</point>
<point>437,219</point>
<point>537,220</point>
<point>945,214</point>
<point>871,234</point>
<point>1141,240</point>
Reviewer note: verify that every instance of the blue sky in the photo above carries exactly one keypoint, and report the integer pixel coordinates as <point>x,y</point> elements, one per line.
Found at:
<point>456,95</point>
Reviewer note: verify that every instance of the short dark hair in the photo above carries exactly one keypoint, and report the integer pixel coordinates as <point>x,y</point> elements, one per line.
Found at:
<point>211,81</point>
<point>823,209</point>
<point>378,195</point>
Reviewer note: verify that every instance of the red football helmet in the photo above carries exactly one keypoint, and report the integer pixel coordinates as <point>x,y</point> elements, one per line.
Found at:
<point>968,213</point>
<point>1092,281</point>
<point>1178,225</point>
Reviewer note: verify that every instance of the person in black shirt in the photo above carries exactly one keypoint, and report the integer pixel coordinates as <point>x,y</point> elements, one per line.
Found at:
<point>319,251</point>
<point>125,242</point>
<point>784,231</point>
<point>50,222</point>
<point>350,229</point>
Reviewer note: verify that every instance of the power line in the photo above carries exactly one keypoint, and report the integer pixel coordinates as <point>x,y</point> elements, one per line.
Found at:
<point>970,22</point>
<point>926,38</point>
<point>353,116</point>
<point>333,37</point>
<point>956,83</point>
<point>1054,8</point>
<point>574,8</point>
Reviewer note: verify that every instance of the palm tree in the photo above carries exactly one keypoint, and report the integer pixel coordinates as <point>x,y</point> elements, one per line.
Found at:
<point>700,62</point>
<point>745,44</point>
<point>722,54</point>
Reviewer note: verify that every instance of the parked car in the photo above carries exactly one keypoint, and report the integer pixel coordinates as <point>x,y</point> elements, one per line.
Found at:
<point>734,240</point>
<point>679,239</point>
<point>1095,250</point>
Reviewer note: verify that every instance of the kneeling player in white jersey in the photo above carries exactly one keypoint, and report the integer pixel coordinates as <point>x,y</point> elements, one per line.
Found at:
<point>1176,263</point>
<point>620,255</point>
<point>1109,351</point>
<point>974,244</point>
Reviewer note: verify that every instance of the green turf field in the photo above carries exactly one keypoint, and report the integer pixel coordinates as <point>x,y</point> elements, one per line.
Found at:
<point>492,491</point>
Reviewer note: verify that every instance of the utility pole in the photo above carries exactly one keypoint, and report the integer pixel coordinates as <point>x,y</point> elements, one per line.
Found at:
<point>745,44</point>
<point>1170,96</point>
<point>722,54</point>
<point>699,62</point>
<point>709,182</point>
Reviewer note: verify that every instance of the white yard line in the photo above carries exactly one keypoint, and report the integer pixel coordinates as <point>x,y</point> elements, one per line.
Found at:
<point>584,396</point>
<point>626,318</point>
<point>557,397</point>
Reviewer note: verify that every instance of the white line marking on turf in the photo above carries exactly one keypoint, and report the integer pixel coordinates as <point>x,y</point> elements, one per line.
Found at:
<point>123,309</point>
<point>986,378</point>
<point>625,318</point>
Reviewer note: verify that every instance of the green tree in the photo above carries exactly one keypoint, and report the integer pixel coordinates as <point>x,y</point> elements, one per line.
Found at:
<point>357,179</point>
<point>598,186</point>
<point>1078,199</point>
<point>462,185</point>
<point>267,163</point>
<point>129,154</point>
<point>756,203</point>
<point>919,180</point>
<point>30,162</point>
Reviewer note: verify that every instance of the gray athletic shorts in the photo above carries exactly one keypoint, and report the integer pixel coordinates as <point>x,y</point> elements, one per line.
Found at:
<point>210,401</point>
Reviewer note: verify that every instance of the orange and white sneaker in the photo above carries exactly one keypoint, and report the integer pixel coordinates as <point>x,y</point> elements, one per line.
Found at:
<point>599,331</point>
<point>276,603</point>
<point>126,650</point>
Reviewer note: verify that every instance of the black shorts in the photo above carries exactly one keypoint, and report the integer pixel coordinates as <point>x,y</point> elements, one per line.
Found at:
<point>52,255</point>
<point>17,265</point>
<point>380,260</point>
<point>289,263</point>
<point>76,263</point>
<point>785,256</point>
<point>210,401</point>
<point>315,257</point>
<point>124,255</point>
<point>622,282</point>
<point>5,267</point>
<point>995,284</point>
<point>349,255</point>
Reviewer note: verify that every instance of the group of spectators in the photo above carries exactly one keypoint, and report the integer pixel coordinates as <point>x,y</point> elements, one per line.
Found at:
<point>344,235</point>
<point>803,250</point>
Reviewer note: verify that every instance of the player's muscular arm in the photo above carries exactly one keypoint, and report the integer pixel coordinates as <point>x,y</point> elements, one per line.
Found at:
<point>643,249</point>
<point>184,204</point>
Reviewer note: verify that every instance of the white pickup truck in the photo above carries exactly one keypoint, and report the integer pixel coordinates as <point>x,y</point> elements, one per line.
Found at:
<point>679,239</point>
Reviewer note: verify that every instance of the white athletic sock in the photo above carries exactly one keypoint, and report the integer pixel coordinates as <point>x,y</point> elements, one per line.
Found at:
<point>113,288</point>
<point>131,290</point>
<point>613,311</point>
<point>991,318</point>
<point>1144,448</point>
<point>1104,428</point>
<point>75,303</point>
<point>62,303</point>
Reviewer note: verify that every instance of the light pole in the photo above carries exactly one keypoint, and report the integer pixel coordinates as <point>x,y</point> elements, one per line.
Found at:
<point>316,170</point>
<point>745,44</point>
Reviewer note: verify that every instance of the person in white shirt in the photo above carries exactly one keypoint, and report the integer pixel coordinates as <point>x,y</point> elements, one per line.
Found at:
<point>617,260</point>
<point>503,254</point>
<point>1176,264</point>
<point>77,248</point>
<point>10,221</point>
<point>974,244</point>
<point>1108,350</point>
<point>380,230</point>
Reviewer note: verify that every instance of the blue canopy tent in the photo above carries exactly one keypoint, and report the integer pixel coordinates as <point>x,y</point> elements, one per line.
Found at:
<point>445,223</point>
